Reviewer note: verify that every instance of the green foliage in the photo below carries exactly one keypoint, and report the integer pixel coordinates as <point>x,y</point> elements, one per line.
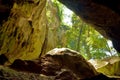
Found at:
<point>59,7</point>
<point>86,40</point>
<point>81,37</point>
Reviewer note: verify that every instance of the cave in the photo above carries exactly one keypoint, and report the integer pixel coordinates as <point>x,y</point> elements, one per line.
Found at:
<point>104,16</point>
<point>24,36</point>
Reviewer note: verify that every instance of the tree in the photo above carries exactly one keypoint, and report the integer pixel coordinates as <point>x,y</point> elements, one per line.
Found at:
<point>84,39</point>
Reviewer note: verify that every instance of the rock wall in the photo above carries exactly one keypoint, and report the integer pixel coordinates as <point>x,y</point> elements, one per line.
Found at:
<point>24,29</point>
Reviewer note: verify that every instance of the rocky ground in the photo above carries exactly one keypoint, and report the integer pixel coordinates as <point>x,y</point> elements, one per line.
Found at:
<point>57,64</point>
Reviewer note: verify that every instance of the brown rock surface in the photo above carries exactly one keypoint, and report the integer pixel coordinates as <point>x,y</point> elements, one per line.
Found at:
<point>58,62</point>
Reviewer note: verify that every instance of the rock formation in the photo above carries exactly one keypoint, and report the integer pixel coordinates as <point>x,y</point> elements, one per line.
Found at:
<point>24,32</point>
<point>62,64</point>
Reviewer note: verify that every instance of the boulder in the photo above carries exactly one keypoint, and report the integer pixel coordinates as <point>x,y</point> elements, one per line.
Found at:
<point>62,64</point>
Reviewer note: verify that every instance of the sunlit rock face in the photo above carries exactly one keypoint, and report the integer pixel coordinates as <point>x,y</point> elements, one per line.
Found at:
<point>104,15</point>
<point>25,31</point>
<point>23,28</point>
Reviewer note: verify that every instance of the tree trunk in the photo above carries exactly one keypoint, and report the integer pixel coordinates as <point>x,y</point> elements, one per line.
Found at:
<point>79,38</point>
